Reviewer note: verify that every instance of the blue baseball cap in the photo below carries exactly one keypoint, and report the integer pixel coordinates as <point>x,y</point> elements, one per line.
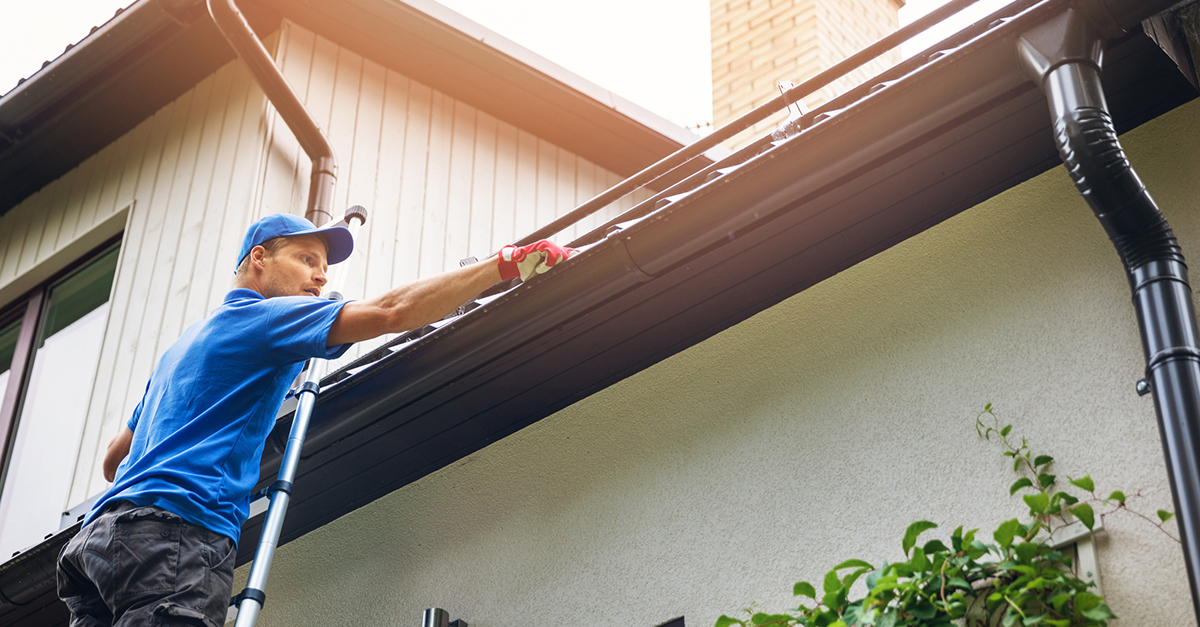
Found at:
<point>341,242</point>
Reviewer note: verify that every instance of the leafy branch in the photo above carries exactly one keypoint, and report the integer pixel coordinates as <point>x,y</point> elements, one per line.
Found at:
<point>1017,579</point>
<point>1049,506</point>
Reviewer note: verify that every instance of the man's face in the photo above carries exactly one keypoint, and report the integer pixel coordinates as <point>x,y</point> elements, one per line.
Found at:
<point>295,269</point>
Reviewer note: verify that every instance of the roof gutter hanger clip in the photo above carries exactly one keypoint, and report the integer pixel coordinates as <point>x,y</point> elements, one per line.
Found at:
<point>241,38</point>
<point>1063,55</point>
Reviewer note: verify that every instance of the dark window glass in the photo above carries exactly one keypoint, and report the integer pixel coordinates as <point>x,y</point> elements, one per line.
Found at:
<point>44,444</point>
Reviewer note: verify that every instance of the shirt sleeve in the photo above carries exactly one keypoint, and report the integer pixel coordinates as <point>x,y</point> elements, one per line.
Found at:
<point>299,327</point>
<point>137,411</point>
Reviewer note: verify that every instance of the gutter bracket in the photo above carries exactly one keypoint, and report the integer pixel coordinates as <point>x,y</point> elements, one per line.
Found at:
<point>631,267</point>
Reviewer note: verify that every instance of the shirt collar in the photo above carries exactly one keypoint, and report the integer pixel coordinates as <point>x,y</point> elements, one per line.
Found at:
<point>242,293</point>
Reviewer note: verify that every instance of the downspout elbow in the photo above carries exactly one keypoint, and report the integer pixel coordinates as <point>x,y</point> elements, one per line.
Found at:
<point>249,49</point>
<point>1064,56</point>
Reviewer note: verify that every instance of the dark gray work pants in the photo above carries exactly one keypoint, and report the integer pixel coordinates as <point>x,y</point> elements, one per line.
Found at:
<point>135,565</point>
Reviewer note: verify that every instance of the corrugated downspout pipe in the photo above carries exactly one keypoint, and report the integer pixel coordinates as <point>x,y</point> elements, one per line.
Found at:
<point>1063,55</point>
<point>249,49</point>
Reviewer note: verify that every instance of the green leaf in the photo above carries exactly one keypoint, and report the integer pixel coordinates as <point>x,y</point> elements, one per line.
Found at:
<point>935,546</point>
<point>1046,480</point>
<point>1084,483</point>
<point>1117,496</point>
<point>803,588</point>
<point>1164,515</point>
<point>1084,513</point>
<point>923,610</point>
<point>725,621</point>
<point>1042,460</point>
<point>914,530</point>
<point>1026,551</point>
<point>1100,612</point>
<point>849,580</point>
<point>1007,531</point>
<point>1006,430</point>
<point>919,562</point>
<point>987,408</point>
<point>1037,502</point>
<point>977,549</point>
<point>1023,482</point>
<point>853,564</point>
<point>873,576</point>
<point>1016,464</point>
<point>832,583</point>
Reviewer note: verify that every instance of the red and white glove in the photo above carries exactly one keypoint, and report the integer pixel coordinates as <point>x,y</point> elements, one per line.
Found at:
<point>536,258</point>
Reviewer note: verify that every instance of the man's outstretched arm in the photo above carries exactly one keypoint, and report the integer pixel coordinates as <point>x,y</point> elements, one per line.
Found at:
<point>421,302</point>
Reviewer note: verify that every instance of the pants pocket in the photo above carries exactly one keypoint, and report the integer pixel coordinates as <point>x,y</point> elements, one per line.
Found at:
<point>172,614</point>
<point>145,552</point>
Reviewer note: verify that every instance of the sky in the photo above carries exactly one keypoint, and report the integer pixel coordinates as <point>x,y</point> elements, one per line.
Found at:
<point>653,52</point>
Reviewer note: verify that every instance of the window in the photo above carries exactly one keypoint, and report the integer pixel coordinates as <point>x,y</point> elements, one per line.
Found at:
<point>49,348</point>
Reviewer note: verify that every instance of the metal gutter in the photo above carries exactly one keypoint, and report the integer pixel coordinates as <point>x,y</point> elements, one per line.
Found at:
<point>1064,56</point>
<point>323,175</point>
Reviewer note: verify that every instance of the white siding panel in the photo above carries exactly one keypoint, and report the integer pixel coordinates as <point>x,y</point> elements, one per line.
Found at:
<point>362,172</point>
<point>459,192</point>
<point>483,189</point>
<point>283,187</point>
<point>413,187</point>
<point>504,195</point>
<point>42,238</point>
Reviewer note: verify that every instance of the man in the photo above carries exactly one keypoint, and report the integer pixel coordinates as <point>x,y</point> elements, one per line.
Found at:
<point>158,548</point>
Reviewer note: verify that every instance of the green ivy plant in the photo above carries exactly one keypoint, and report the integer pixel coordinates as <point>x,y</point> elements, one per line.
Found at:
<point>1016,579</point>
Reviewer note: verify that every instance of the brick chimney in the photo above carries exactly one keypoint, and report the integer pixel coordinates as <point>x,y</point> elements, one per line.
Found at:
<point>757,43</point>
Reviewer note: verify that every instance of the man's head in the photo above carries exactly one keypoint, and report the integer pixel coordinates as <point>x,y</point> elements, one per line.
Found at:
<point>286,255</point>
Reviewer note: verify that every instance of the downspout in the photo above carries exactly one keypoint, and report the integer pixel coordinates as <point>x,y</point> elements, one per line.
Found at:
<point>1063,56</point>
<point>249,49</point>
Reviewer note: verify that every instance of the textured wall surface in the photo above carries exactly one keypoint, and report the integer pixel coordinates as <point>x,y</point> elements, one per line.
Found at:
<point>813,432</point>
<point>757,43</point>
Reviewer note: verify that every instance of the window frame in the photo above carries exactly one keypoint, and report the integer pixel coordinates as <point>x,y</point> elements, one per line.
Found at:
<point>29,309</point>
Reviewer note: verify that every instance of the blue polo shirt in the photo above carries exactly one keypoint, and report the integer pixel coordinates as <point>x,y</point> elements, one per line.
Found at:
<point>199,431</point>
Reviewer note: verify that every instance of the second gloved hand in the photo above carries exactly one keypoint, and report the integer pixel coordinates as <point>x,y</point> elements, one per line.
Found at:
<point>525,261</point>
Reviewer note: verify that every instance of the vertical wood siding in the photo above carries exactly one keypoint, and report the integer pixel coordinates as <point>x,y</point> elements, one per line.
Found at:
<point>443,181</point>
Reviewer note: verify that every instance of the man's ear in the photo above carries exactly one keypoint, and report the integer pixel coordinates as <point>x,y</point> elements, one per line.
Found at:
<point>257,255</point>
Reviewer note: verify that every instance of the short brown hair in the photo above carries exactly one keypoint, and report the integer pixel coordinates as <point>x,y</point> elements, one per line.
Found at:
<point>272,246</point>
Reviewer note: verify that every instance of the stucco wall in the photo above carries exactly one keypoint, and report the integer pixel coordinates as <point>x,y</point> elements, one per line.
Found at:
<point>813,432</point>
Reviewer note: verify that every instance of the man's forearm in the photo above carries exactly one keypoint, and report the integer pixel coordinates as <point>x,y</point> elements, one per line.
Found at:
<point>117,451</point>
<point>413,305</point>
<point>432,298</point>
